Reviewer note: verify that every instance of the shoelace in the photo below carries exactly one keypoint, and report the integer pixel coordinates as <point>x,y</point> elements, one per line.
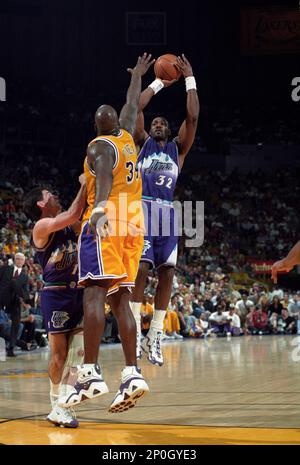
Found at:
<point>157,344</point>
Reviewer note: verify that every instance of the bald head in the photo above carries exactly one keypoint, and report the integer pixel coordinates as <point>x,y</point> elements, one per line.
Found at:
<point>106,119</point>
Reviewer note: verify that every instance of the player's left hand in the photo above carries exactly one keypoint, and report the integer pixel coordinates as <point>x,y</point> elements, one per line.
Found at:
<point>143,64</point>
<point>184,66</point>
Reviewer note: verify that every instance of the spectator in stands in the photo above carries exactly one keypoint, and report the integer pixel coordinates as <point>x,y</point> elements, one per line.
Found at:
<point>14,290</point>
<point>27,340</point>
<point>234,321</point>
<point>249,323</point>
<point>218,320</point>
<point>287,323</point>
<point>207,304</point>
<point>200,327</point>
<point>171,321</point>
<point>274,313</point>
<point>260,321</point>
<point>242,307</point>
<point>294,310</point>
<point>198,306</point>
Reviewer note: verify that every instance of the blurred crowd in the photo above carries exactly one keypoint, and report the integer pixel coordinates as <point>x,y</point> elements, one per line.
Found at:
<point>210,304</point>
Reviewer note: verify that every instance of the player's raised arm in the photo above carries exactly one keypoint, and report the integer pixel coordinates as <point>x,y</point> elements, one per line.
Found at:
<point>287,263</point>
<point>45,226</point>
<point>187,131</point>
<point>128,113</point>
<point>140,135</point>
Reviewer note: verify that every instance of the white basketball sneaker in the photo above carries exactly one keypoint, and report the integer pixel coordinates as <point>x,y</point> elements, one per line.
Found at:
<point>133,387</point>
<point>89,384</point>
<point>151,344</point>
<point>63,417</point>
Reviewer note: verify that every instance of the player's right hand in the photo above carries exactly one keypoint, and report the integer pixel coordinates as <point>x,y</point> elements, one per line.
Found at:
<point>99,225</point>
<point>184,66</point>
<point>278,266</point>
<point>143,64</point>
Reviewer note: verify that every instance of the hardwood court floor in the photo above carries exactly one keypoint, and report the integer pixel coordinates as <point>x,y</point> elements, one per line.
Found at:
<point>240,391</point>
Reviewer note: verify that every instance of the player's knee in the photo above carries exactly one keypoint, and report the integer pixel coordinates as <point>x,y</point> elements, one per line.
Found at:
<point>59,358</point>
<point>166,275</point>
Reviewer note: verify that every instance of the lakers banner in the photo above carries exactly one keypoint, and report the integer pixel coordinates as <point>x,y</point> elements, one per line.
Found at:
<point>270,30</point>
<point>262,266</point>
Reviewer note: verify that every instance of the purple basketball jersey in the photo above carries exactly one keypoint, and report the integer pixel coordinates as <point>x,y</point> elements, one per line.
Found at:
<point>159,168</point>
<point>61,299</point>
<point>59,257</point>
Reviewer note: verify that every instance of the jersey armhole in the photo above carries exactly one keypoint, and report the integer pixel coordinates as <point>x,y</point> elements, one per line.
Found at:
<point>116,151</point>
<point>42,249</point>
<point>143,146</point>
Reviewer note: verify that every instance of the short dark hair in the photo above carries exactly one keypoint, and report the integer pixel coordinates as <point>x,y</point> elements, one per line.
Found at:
<point>163,118</point>
<point>30,206</point>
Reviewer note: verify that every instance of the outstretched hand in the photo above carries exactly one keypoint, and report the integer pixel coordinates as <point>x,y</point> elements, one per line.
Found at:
<point>143,64</point>
<point>184,66</point>
<point>281,265</point>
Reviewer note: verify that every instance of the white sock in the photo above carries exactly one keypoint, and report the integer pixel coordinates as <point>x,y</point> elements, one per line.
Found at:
<point>88,366</point>
<point>54,392</point>
<point>157,323</point>
<point>129,370</point>
<point>136,311</point>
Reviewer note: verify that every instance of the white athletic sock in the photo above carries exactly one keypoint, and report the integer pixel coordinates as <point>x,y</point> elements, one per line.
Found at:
<point>88,366</point>
<point>54,392</point>
<point>129,370</point>
<point>136,311</point>
<point>157,323</point>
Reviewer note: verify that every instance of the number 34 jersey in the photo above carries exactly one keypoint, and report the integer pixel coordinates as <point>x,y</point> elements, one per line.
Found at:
<point>159,167</point>
<point>124,201</point>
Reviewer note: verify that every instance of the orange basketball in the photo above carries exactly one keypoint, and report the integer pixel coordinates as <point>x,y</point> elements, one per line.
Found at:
<point>164,67</point>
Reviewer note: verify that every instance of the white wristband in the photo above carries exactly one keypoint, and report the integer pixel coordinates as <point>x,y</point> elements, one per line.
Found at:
<point>156,85</point>
<point>97,210</point>
<point>190,83</point>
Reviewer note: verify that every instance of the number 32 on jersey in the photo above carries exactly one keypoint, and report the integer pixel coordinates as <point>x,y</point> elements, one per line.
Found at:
<point>163,180</point>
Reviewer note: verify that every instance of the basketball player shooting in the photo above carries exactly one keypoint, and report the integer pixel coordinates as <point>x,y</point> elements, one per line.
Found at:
<point>160,162</point>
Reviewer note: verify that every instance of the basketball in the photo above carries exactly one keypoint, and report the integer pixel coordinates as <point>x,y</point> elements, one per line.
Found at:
<point>164,67</point>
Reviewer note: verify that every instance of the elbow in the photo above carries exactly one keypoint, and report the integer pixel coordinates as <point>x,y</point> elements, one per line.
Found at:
<point>192,118</point>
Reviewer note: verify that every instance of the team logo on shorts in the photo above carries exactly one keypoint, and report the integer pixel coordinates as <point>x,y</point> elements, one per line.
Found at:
<point>59,318</point>
<point>146,247</point>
